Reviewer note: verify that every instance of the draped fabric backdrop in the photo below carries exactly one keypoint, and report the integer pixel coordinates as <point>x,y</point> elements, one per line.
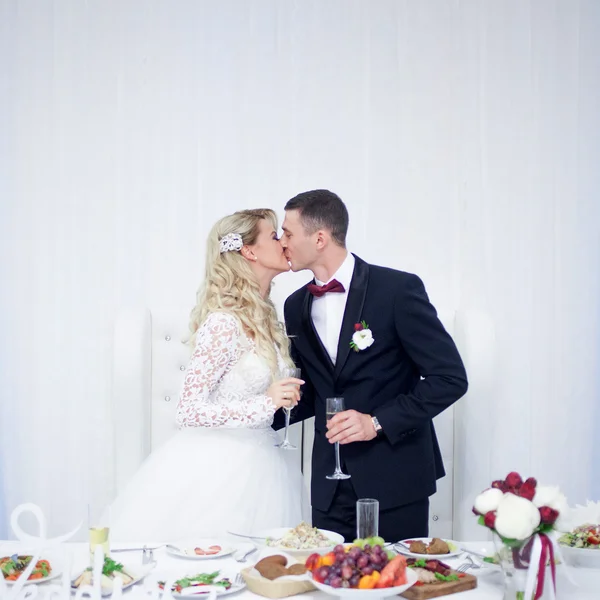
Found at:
<point>464,136</point>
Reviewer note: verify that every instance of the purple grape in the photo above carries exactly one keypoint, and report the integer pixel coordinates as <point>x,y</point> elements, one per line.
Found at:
<point>347,572</point>
<point>375,560</point>
<point>362,562</point>
<point>367,570</point>
<point>327,581</point>
<point>323,573</point>
<point>350,561</point>
<point>340,556</point>
<point>339,548</point>
<point>367,547</point>
<point>354,580</point>
<point>355,553</point>
<point>377,549</point>
<point>336,582</point>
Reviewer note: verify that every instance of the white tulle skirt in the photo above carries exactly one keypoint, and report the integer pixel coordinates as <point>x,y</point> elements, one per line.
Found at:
<point>204,482</point>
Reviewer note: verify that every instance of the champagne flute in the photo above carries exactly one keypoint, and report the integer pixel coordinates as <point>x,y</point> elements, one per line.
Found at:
<point>99,528</point>
<point>285,373</point>
<point>332,407</point>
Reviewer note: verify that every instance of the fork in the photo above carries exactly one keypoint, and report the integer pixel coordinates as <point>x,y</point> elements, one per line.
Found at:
<point>470,564</point>
<point>238,580</point>
<point>244,557</point>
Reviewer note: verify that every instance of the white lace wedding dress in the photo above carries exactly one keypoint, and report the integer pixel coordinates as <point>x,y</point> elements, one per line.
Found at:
<point>221,471</point>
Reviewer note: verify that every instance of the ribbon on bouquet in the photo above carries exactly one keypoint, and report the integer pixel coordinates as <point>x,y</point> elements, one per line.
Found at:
<point>543,550</point>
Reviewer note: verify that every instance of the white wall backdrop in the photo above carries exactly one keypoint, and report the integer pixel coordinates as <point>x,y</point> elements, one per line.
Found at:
<point>463,135</point>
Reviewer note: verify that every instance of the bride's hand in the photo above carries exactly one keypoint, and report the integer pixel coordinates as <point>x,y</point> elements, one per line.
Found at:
<point>285,392</point>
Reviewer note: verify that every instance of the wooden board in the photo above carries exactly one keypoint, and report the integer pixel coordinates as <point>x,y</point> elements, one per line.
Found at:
<point>443,588</point>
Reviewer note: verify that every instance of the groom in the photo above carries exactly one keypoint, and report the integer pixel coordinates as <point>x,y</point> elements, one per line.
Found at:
<point>392,388</point>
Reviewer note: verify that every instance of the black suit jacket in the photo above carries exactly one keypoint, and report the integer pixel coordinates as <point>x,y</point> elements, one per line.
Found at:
<point>411,373</point>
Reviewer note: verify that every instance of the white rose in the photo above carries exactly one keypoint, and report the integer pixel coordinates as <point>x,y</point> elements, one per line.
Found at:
<point>516,517</point>
<point>363,339</point>
<point>488,500</point>
<point>550,495</point>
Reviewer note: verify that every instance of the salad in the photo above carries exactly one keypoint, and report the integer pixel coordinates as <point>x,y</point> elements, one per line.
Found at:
<point>585,536</point>
<point>302,537</point>
<point>111,570</point>
<point>203,579</point>
<point>12,567</point>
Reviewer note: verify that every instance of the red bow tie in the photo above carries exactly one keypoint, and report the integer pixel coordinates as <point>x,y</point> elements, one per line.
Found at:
<point>319,290</point>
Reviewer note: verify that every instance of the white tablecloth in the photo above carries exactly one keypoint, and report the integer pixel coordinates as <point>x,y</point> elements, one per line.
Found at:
<point>489,578</point>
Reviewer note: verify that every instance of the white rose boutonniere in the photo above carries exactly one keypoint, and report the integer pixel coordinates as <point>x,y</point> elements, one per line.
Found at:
<point>362,337</point>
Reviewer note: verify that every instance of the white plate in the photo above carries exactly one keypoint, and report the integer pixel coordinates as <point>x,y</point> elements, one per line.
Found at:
<point>581,557</point>
<point>353,593</point>
<point>404,549</point>
<point>207,589</point>
<point>185,549</point>
<point>138,573</point>
<point>54,565</point>
<point>279,532</point>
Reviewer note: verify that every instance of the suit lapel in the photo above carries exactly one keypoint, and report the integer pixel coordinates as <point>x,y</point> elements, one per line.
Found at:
<point>353,312</point>
<point>312,335</point>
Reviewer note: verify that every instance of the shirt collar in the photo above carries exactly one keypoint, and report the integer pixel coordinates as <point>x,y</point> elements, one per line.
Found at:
<point>343,274</point>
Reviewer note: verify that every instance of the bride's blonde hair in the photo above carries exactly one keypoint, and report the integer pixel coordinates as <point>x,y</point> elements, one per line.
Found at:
<point>231,286</point>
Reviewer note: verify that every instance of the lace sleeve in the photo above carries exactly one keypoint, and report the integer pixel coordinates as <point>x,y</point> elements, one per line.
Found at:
<point>218,348</point>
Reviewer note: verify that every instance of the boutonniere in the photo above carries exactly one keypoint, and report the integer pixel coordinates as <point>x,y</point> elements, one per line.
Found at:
<point>362,337</point>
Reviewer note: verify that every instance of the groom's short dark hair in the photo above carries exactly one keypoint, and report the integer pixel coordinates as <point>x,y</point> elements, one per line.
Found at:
<point>322,209</point>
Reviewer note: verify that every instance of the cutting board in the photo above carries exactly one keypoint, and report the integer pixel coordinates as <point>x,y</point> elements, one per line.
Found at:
<point>443,588</point>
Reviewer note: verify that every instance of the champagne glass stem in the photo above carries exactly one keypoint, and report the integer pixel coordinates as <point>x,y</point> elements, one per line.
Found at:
<point>288,413</point>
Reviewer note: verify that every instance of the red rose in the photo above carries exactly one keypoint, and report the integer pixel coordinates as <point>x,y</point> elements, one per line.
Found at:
<point>513,480</point>
<point>490,519</point>
<point>531,481</point>
<point>358,327</point>
<point>500,485</point>
<point>548,515</point>
<point>527,490</point>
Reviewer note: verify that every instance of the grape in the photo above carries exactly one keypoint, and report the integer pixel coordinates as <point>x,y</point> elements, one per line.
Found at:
<point>336,582</point>
<point>362,562</point>
<point>347,572</point>
<point>340,557</point>
<point>339,548</point>
<point>354,580</point>
<point>367,547</point>
<point>350,561</point>
<point>377,550</point>
<point>323,573</point>
<point>367,570</point>
<point>355,553</point>
<point>376,560</point>
<point>327,581</point>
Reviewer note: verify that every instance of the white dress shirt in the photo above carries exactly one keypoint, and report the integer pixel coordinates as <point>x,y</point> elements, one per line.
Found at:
<point>328,310</point>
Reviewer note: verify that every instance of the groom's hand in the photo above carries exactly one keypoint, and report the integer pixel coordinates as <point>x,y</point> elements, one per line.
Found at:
<point>350,426</point>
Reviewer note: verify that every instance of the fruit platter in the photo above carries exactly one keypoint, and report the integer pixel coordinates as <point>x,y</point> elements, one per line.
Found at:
<point>360,570</point>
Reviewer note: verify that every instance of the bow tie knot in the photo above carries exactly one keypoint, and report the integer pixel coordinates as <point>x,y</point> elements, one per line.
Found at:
<point>333,286</point>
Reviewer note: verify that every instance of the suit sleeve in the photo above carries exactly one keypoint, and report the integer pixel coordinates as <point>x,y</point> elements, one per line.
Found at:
<point>430,347</point>
<point>305,409</point>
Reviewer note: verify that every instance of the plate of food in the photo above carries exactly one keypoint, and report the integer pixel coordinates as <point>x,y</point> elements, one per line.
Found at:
<point>111,571</point>
<point>581,546</point>
<point>202,584</point>
<point>301,540</point>
<point>369,576</point>
<point>430,547</point>
<point>201,549</point>
<point>12,567</point>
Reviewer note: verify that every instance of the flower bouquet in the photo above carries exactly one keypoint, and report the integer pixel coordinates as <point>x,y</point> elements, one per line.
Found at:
<point>522,514</point>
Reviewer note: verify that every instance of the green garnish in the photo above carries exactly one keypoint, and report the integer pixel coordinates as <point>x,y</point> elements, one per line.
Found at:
<point>110,566</point>
<point>446,577</point>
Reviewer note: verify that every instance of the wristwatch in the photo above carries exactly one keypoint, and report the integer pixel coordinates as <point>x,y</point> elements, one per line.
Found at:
<point>377,426</point>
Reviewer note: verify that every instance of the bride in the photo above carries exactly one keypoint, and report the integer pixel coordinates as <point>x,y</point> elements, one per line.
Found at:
<point>221,471</point>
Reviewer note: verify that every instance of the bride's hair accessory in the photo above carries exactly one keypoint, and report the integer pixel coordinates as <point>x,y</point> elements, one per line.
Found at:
<point>232,242</point>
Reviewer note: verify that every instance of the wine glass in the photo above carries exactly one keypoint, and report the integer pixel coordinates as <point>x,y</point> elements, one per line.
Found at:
<point>284,374</point>
<point>98,528</point>
<point>332,407</point>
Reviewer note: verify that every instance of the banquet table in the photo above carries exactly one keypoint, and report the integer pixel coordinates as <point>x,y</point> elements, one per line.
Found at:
<point>489,577</point>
